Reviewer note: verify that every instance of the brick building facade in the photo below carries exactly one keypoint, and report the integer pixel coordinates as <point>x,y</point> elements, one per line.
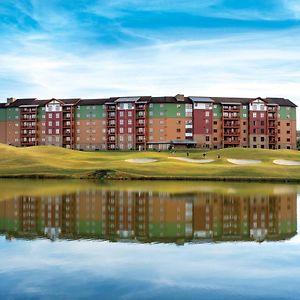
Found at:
<point>141,123</point>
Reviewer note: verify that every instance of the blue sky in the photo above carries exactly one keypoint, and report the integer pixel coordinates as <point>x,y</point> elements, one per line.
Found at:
<point>85,48</point>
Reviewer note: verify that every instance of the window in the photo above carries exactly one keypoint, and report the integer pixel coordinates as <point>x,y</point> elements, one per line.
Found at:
<point>288,124</point>
<point>57,116</point>
<point>288,132</point>
<point>121,113</point>
<point>254,115</point>
<point>262,139</point>
<point>161,122</point>
<point>244,115</point>
<point>262,146</point>
<point>207,138</point>
<point>129,130</point>
<point>178,114</point>
<point>161,105</point>
<point>129,114</point>
<point>244,131</point>
<point>50,116</point>
<point>254,146</point>
<point>288,139</point>
<point>215,122</point>
<point>244,106</point>
<point>121,122</point>
<point>262,123</point>
<point>262,115</point>
<point>262,131</point>
<point>215,130</point>
<point>129,121</point>
<point>215,139</point>
<point>178,105</point>
<point>207,114</point>
<point>161,113</point>
<point>178,130</point>
<point>121,130</point>
<point>178,122</point>
<point>254,139</point>
<point>50,131</point>
<point>244,123</point>
<point>57,123</point>
<point>50,123</point>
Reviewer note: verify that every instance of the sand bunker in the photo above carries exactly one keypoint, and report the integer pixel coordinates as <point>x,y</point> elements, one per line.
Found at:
<point>141,160</point>
<point>244,161</point>
<point>286,162</point>
<point>195,161</point>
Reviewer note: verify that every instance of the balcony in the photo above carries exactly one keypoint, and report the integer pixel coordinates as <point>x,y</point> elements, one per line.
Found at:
<point>111,115</point>
<point>28,111</point>
<point>140,115</point>
<point>231,125</point>
<point>140,107</point>
<point>111,108</point>
<point>231,108</point>
<point>231,133</point>
<point>111,124</point>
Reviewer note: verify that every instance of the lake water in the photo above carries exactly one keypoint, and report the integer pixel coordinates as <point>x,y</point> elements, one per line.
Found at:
<point>148,240</point>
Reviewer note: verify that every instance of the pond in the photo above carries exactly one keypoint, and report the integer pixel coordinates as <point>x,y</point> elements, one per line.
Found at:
<point>148,240</point>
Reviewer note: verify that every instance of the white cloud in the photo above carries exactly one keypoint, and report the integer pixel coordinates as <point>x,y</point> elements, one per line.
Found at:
<point>258,64</point>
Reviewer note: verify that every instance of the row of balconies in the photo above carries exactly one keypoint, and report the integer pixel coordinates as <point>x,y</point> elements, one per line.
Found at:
<point>28,111</point>
<point>28,117</point>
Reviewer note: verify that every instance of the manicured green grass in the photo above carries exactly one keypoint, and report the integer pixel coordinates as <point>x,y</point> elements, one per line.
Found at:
<point>50,161</point>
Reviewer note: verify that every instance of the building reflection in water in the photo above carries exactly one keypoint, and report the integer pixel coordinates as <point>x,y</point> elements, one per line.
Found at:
<point>150,216</point>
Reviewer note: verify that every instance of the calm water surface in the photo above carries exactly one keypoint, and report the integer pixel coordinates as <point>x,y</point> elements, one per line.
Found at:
<point>148,240</point>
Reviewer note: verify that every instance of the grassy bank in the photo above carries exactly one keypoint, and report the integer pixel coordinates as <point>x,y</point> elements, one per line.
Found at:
<point>52,162</point>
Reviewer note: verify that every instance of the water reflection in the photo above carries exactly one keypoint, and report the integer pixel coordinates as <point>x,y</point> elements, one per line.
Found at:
<point>150,216</point>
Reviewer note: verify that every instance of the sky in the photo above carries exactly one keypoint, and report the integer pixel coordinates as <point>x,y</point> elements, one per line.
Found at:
<point>101,48</point>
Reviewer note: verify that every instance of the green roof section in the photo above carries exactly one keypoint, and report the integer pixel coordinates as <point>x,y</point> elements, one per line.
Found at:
<point>92,112</point>
<point>2,114</point>
<point>89,227</point>
<point>12,114</point>
<point>217,111</point>
<point>41,114</point>
<point>287,113</point>
<point>167,110</point>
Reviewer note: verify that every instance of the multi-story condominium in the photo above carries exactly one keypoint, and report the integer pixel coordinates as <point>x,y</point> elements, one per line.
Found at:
<point>146,122</point>
<point>151,216</point>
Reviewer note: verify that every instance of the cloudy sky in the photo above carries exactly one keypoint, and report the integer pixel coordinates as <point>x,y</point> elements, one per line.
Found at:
<point>97,48</point>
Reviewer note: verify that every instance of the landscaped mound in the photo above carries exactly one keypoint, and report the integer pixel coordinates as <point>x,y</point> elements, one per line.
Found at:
<point>284,162</point>
<point>195,161</point>
<point>244,161</point>
<point>141,160</point>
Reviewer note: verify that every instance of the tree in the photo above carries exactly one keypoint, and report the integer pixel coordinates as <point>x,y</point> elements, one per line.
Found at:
<point>298,144</point>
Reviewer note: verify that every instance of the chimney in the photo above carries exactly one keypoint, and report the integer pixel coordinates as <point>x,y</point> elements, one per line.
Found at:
<point>10,100</point>
<point>179,97</point>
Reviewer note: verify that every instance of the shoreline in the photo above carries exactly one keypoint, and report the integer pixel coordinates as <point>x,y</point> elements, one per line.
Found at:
<point>153,178</point>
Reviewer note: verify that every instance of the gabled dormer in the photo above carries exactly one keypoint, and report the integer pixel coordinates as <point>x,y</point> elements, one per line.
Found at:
<point>258,104</point>
<point>54,105</point>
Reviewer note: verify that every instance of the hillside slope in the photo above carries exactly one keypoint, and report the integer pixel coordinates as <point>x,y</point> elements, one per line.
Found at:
<point>48,161</point>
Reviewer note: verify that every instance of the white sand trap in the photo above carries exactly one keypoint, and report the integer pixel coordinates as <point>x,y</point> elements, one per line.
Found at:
<point>286,162</point>
<point>244,161</point>
<point>141,160</point>
<point>195,161</point>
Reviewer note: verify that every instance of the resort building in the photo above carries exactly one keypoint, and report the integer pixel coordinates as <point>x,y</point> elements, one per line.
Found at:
<point>150,216</point>
<point>140,123</point>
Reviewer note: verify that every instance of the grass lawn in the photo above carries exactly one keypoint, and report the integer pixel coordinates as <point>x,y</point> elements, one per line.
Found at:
<point>48,161</point>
